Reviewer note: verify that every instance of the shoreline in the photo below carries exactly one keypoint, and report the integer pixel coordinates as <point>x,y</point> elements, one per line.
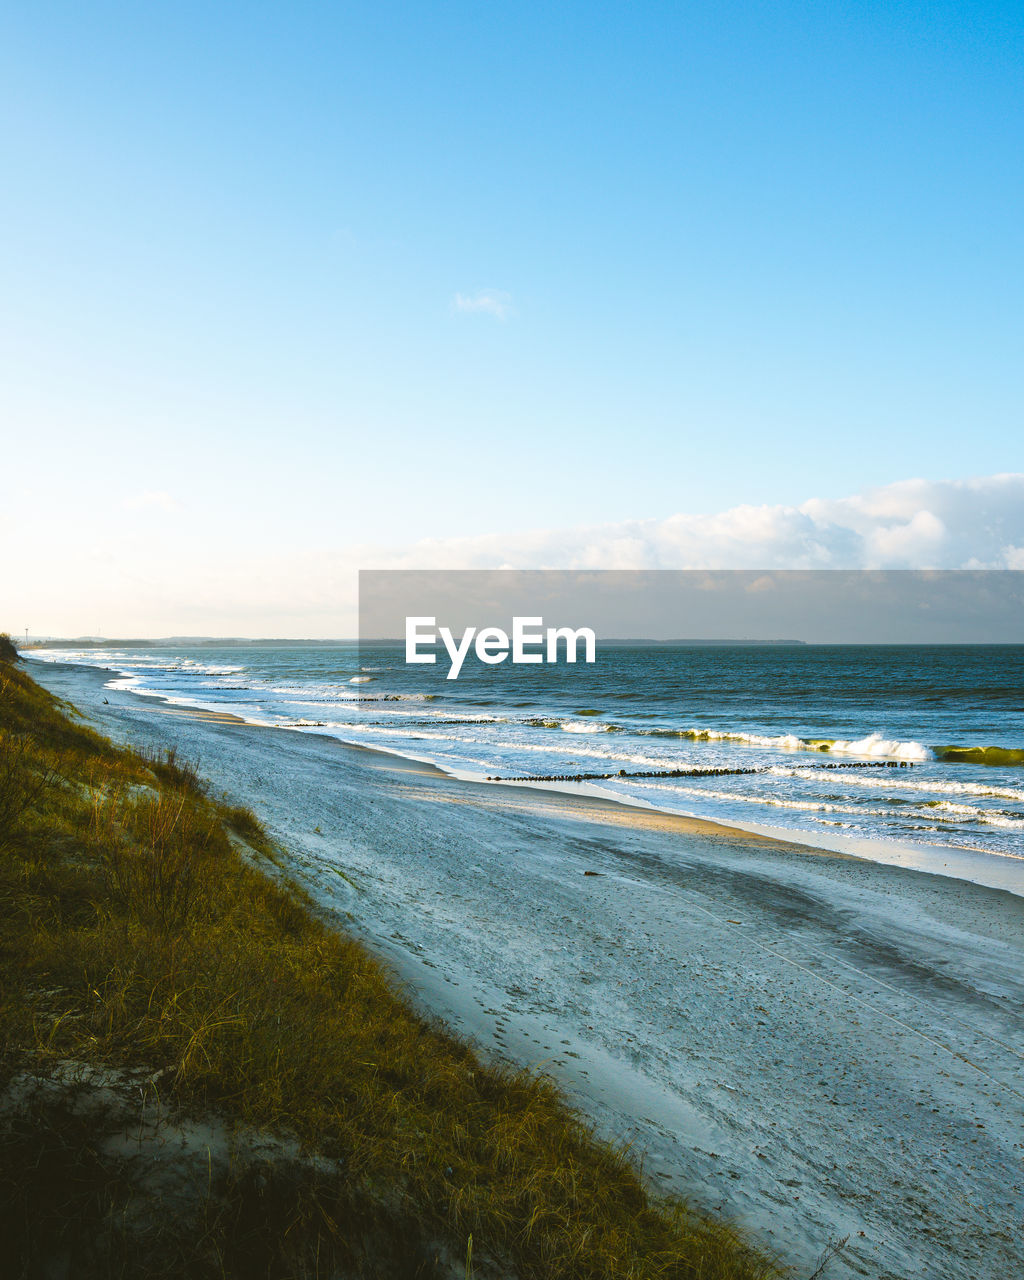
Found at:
<point>586,794</point>
<point>974,866</point>
<point>804,1041</point>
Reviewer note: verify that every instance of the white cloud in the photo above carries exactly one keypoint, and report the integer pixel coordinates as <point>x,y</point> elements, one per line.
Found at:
<point>491,302</point>
<point>915,524</point>
<point>1013,556</point>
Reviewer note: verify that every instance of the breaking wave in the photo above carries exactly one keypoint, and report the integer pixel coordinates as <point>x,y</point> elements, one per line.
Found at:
<point>873,744</point>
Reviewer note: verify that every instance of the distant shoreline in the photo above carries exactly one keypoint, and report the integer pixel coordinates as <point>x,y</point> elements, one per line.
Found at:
<point>92,642</point>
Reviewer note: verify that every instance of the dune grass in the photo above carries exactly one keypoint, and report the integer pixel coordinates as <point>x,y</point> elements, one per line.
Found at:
<point>143,925</point>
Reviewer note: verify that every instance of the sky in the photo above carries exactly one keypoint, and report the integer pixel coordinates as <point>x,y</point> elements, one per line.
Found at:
<point>290,290</point>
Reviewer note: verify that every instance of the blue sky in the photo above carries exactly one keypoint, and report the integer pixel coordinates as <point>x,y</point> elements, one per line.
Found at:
<point>284,280</point>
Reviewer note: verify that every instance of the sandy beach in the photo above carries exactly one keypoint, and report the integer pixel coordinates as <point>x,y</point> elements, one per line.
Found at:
<point>815,1045</point>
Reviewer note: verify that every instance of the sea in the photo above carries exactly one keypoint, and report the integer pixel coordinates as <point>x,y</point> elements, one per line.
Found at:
<point>912,755</point>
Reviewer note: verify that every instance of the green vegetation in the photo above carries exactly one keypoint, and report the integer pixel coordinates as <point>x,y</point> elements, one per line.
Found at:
<point>151,957</point>
<point>1000,756</point>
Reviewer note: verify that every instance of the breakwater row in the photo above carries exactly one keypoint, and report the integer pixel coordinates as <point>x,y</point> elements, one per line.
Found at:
<point>688,773</point>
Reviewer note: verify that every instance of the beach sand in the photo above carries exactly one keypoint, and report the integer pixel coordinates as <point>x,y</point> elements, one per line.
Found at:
<point>815,1045</point>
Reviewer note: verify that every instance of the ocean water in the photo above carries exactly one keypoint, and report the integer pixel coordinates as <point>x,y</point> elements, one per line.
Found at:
<point>862,747</point>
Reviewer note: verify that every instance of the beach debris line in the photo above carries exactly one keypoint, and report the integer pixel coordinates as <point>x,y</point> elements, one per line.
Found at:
<point>688,773</point>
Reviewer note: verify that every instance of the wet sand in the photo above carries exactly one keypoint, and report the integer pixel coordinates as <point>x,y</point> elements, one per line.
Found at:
<point>813,1044</point>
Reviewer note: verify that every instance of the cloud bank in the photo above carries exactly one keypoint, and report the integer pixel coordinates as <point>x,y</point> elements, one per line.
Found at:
<point>146,588</point>
<point>914,524</point>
